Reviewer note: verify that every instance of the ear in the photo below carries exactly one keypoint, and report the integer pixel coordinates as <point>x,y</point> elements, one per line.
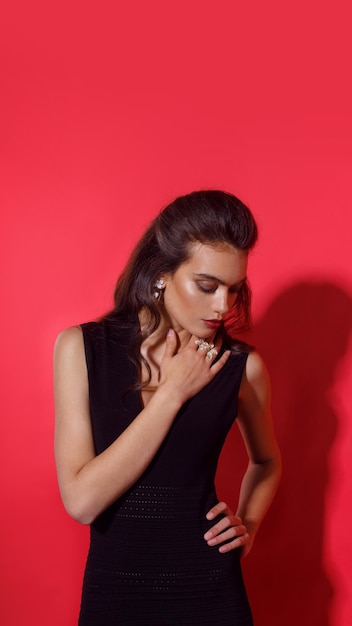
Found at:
<point>166,278</point>
<point>163,279</point>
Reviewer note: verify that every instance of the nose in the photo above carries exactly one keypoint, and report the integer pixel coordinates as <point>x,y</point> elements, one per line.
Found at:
<point>223,302</point>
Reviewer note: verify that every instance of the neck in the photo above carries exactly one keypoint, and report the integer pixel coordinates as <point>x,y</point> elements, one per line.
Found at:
<point>158,337</point>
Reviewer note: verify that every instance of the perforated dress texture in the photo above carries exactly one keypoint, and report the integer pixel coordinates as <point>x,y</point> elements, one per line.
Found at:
<point>148,564</point>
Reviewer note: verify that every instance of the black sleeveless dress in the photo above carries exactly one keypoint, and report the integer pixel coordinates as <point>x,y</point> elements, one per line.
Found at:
<point>148,564</point>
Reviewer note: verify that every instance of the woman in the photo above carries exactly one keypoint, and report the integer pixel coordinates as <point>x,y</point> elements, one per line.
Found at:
<point>144,400</point>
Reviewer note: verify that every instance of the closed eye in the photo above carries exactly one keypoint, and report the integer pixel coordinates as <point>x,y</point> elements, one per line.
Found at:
<point>211,287</point>
<point>207,287</point>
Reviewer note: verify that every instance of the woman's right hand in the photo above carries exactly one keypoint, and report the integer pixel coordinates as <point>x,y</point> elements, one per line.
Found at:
<point>188,371</point>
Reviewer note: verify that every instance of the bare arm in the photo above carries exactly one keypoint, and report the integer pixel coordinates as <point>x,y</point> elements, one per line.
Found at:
<point>255,422</point>
<point>89,483</point>
<point>260,481</point>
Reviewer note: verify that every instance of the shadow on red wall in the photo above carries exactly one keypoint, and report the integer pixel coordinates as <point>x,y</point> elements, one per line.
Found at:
<point>302,335</point>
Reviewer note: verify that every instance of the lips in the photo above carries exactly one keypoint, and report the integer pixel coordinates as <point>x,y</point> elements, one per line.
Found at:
<point>213,324</point>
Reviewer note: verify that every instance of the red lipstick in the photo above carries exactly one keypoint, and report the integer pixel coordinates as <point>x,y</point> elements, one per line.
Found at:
<point>213,324</point>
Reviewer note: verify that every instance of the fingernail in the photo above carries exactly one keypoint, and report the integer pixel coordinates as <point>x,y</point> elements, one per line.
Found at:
<point>208,535</point>
<point>170,332</point>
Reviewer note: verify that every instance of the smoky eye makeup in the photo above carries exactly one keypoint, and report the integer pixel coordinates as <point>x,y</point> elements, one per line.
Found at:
<point>209,284</point>
<point>207,287</point>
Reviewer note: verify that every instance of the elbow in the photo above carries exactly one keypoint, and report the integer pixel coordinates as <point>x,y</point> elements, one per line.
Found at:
<point>275,463</point>
<point>80,510</point>
<point>271,465</point>
<point>81,517</point>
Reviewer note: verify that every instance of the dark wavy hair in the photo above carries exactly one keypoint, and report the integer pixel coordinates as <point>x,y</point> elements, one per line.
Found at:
<point>209,217</point>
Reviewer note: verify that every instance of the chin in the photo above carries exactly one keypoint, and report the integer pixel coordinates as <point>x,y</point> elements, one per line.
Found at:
<point>207,335</point>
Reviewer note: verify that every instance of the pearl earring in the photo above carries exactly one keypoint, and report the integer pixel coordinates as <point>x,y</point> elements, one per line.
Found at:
<point>159,285</point>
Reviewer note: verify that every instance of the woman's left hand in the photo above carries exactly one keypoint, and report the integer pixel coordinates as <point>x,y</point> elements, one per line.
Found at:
<point>229,528</point>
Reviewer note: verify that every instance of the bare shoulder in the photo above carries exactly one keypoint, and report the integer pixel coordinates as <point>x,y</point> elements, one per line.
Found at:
<point>69,354</point>
<point>69,339</point>
<point>256,379</point>
<point>69,345</point>
<point>255,369</point>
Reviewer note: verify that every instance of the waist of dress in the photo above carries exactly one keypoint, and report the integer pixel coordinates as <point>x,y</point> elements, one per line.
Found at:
<point>165,502</point>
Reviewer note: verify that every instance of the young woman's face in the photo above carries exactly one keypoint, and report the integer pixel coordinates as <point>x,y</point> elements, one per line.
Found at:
<point>199,293</point>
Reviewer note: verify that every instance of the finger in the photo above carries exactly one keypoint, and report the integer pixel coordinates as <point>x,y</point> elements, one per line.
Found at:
<point>221,525</point>
<point>171,343</point>
<point>220,507</point>
<point>215,369</point>
<point>216,536</point>
<point>239,542</point>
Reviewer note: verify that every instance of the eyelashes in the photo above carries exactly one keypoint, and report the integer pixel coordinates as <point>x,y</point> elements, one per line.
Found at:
<point>206,289</point>
<point>212,289</point>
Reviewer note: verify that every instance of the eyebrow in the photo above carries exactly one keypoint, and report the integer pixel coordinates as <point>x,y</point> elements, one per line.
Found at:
<point>218,280</point>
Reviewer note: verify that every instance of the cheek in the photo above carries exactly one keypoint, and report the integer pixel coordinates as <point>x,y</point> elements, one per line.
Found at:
<point>186,292</point>
<point>179,296</point>
<point>194,298</point>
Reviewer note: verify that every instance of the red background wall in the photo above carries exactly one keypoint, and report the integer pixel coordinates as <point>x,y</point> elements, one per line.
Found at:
<point>108,112</point>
